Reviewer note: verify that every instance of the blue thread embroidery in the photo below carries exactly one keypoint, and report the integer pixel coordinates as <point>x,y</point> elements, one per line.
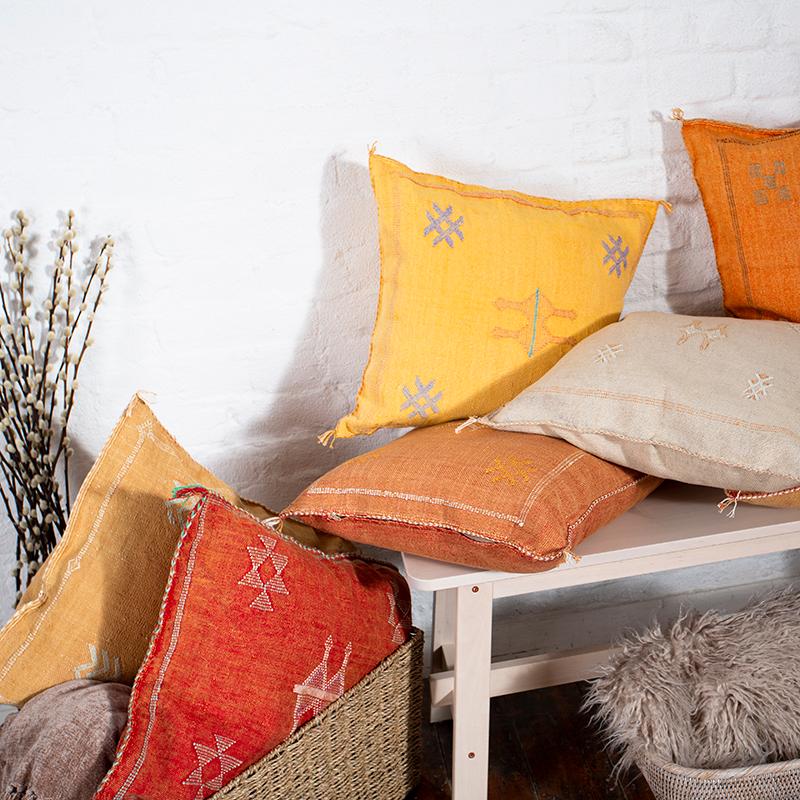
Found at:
<point>421,403</point>
<point>616,255</point>
<point>443,218</point>
<point>535,320</point>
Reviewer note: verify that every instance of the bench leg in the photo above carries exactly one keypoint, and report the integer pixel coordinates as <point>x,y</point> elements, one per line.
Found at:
<point>471,687</point>
<point>442,647</point>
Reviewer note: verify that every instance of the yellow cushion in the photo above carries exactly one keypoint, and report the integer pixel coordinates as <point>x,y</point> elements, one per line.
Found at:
<point>482,291</point>
<point>90,611</point>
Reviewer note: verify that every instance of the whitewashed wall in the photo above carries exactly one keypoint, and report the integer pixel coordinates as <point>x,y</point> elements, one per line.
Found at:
<point>225,145</point>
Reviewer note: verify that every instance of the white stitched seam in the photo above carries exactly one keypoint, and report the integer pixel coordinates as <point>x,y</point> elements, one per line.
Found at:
<point>436,501</point>
<point>545,480</point>
<point>668,405</point>
<point>426,523</point>
<point>173,643</point>
<point>603,497</point>
<point>616,435</point>
<point>492,540</point>
<point>760,495</point>
<point>144,435</point>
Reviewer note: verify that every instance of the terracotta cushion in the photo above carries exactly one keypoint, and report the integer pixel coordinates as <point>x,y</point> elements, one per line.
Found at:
<point>749,179</point>
<point>90,610</point>
<point>256,635</point>
<point>481,497</point>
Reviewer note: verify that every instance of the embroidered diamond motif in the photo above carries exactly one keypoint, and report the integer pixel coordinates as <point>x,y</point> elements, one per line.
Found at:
<point>758,386</point>
<point>318,691</point>
<point>443,225</point>
<point>608,352</point>
<point>510,470</point>
<point>100,666</point>
<point>707,335</point>
<point>616,255</point>
<point>422,402</point>
<point>213,764</point>
<point>254,579</point>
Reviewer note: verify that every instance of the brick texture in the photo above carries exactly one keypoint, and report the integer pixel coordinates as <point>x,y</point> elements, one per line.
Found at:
<point>227,150</point>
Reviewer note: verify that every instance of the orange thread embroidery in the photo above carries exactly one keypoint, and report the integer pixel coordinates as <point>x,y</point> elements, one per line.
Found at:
<point>511,470</point>
<point>707,335</point>
<point>537,311</point>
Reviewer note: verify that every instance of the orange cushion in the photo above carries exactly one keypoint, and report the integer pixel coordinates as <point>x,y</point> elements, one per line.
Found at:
<point>257,634</point>
<point>517,502</point>
<point>749,179</point>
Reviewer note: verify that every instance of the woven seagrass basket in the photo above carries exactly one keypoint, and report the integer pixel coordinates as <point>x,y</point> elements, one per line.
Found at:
<point>778,781</point>
<point>365,745</point>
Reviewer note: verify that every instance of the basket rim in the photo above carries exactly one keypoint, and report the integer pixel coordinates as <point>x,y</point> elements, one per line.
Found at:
<point>416,639</point>
<point>700,774</point>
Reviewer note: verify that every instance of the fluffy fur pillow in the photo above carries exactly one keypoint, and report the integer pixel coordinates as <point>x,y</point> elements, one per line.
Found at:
<point>710,691</point>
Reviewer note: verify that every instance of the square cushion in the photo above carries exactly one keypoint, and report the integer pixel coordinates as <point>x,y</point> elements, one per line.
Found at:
<point>704,400</point>
<point>749,179</point>
<point>484,498</point>
<point>90,610</point>
<point>482,290</point>
<point>257,634</point>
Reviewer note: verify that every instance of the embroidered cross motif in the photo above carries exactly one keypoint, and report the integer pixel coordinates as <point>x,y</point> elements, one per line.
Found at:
<point>538,311</point>
<point>510,470</point>
<point>395,619</point>
<point>421,403</point>
<point>615,254</point>
<point>757,386</point>
<point>253,578</point>
<point>767,183</point>
<point>318,691</point>
<point>443,225</point>
<point>215,760</point>
<point>608,352</point>
<point>707,335</point>
<point>100,666</point>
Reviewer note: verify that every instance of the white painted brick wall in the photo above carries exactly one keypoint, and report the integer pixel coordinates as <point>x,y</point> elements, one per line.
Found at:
<point>226,147</point>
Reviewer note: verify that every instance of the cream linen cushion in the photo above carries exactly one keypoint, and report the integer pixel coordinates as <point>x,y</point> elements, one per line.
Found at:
<point>706,400</point>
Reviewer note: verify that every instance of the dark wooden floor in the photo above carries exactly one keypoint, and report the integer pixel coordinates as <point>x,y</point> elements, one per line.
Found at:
<point>542,748</point>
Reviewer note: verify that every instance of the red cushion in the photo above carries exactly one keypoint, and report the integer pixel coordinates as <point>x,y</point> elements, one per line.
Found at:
<point>257,634</point>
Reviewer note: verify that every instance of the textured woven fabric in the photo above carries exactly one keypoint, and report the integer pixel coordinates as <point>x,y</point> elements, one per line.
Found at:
<point>61,744</point>
<point>257,634</point>
<point>482,291</point>
<point>704,400</point>
<point>749,179</point>
<point>91,608</point>
<point>485,498</point>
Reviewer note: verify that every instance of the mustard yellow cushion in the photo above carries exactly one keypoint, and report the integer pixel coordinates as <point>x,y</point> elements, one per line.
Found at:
<point>482,291</point>
<point>90,611</point>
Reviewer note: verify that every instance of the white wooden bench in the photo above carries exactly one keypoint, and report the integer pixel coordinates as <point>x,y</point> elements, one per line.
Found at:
<point>677,526</point>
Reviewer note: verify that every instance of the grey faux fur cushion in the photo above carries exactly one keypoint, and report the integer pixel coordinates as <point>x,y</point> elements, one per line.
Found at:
<point>62,742</point>
<point>710,691</point>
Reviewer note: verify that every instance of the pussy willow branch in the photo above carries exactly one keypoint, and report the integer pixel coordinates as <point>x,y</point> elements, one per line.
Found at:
<point>40,365</point>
